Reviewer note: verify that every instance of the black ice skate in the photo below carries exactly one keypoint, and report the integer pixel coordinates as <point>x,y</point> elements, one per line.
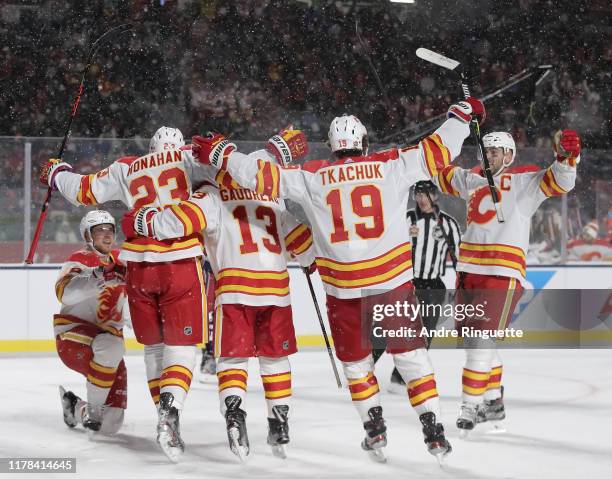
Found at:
<point>168,428</point>
<point>278,430</point>
<point>235,419</point>
<point>437,444</point>
<point>493,409</point>
<point>376,437</point>
<point>69,402</point>
<point>92,419</point>
<point>467,418</point>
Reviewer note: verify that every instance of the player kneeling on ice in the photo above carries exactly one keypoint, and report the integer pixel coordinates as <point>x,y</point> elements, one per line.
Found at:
<point>89,328</point>
<point>491,264</point>
<point>355,204</point>
<point>248,235</point>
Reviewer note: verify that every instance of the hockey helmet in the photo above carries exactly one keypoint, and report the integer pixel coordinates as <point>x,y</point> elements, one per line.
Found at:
<point>346,132</point>
<point>500,139</point>
<point>166,138</point>
<point>95,218</point>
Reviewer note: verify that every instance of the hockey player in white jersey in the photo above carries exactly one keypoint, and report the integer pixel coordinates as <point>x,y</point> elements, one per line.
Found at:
<point>248,237</point>
<point>89,327</point>
<point>354,204</point>
<point>491,263</point>
<point>167,315</point>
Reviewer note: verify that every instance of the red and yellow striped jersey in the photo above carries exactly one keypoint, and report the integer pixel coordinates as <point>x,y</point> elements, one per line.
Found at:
<point>492,248</point>
<point>249,237</point>
<point>86,298</point>
<point>356,207</point>
<point>156,179</point>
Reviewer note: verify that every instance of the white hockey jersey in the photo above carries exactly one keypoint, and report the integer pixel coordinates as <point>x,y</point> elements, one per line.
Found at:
<point>248,237</point>
<point>156,179</point>
<point>88,299</point>
<point>492,248</point>
<point>356,207</point>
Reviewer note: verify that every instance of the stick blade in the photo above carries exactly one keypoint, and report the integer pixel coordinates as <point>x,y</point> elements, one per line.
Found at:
<point>437,59</point>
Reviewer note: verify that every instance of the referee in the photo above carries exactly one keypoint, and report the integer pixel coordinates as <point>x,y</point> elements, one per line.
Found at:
<point>433,234</point>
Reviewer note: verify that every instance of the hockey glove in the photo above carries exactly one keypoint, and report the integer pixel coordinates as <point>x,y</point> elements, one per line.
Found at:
<point>51,168</point>
<point>567,146</point>
<point>110,272</point>
<point>212,149</point>
<point>465,110</point>
<point>288,145</point>
<point>138,222</point>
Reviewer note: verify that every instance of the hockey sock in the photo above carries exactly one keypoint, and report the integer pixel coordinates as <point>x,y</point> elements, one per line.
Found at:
<point>476,374</point>
<point>177,372</point>
<point>276,379</point>
<point>495,376</point>
<point>108,351</point>
<point>153,356</point>
<point>232,376</point>
<point>417,371</point>
<point>363,385</point>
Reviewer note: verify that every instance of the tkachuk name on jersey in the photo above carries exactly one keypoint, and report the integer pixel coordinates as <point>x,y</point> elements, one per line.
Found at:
<point>352,172</point>
<point>240,194</point>
<point>155,159</point>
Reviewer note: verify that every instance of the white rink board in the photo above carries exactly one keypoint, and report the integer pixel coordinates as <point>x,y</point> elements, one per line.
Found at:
<point>28,297</point>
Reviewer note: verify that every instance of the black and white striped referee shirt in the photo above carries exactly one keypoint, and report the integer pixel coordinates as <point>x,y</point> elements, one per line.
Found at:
<point>429,246</point>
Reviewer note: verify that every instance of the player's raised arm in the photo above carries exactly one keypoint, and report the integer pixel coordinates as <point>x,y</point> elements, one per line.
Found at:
<point>88,190</point>
<point>556,180</point>
<point>265,172</point>
<point>435,152</point>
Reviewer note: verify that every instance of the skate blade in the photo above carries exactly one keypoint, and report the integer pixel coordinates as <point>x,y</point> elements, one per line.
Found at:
<point>173,453</point>
<point>464,433</point>
<point>279,451</point>
<point>377,455</point>
<point>440,452</point>
<point>241,451</point>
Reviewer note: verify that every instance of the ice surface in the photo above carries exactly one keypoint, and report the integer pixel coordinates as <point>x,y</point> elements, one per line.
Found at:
<point>559,406</point>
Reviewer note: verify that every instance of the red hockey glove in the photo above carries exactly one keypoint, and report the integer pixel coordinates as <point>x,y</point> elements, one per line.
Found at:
<point>111,272</point>
<point>465,110</point>
<point>211,149</point>
<point>51,168</point>
<point>288,145</point>
<point>567,146</point>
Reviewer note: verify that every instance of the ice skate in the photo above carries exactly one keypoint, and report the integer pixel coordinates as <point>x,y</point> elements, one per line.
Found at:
<point>376,438</point>
<point>278,430</point>
<point>467,418</point>
<point>397,385</point>
<point>235,419</point>
<point>69,402</point>
<point>437,445</point>
<point>92,419</point>
<point>493,409</point>
<point>168,428</point>
<point>208,368</point>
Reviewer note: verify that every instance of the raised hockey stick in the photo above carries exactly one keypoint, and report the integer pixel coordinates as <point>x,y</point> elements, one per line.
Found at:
<point>323,330</point>
<point>453,65</point>
<point>73,110</point>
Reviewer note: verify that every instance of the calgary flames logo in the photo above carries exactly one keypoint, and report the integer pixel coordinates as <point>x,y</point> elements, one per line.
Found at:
<point>110,303</point>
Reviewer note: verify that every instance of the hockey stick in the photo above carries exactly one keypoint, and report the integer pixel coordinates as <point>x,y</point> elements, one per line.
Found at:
<point>436,120</point>
<point>327,345</point>
<point>452,65</point>
<point>73,110</point>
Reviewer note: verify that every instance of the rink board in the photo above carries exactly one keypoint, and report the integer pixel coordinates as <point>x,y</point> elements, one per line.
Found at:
<point>29,302</point>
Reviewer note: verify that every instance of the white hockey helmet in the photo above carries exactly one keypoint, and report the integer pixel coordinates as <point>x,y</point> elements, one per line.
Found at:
<point>166,138</point>
<point>500,139</point>
<point>346,132</point>
<point>95,218</point>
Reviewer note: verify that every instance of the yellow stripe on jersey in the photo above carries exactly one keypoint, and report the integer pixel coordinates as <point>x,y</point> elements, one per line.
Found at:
<point>367,263</point>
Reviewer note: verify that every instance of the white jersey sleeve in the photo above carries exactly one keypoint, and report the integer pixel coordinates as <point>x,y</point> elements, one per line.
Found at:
<point>92,189</point>
<point>199,213</point>
<point>76,283</point>
<point>298,239</point>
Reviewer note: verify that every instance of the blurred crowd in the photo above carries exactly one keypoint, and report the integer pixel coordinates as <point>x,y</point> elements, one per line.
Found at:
<point>248,67</point>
